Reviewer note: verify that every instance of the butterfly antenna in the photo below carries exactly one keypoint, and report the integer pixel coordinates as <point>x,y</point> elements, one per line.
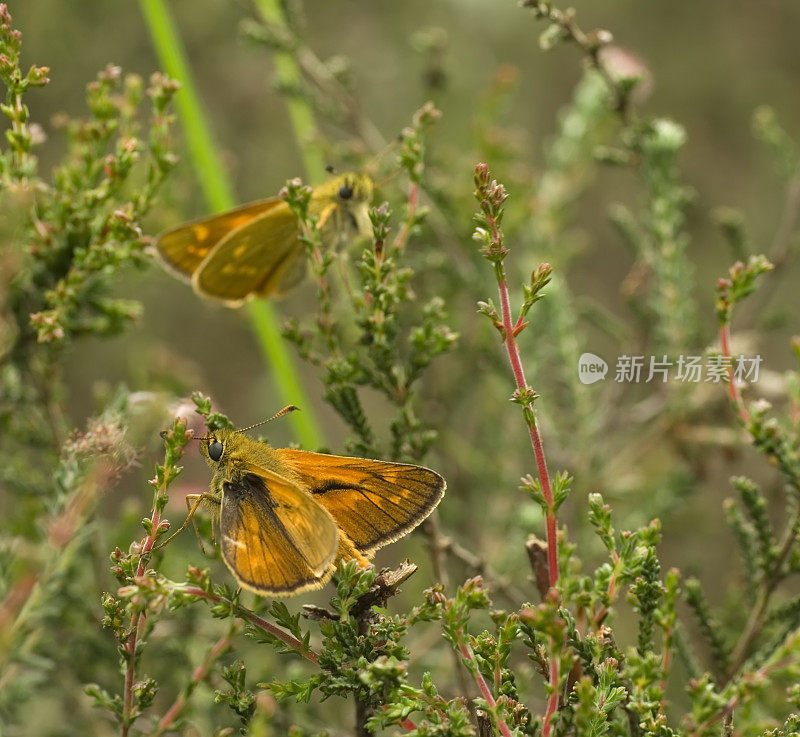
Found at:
<point>163,435</point>
<point>388,178</point>
<point>372,165</point>
<point>285,411</point>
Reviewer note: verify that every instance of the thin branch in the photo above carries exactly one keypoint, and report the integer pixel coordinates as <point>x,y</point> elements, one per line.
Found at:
<point>478,566</point>
<point>491,196</point>
<point>754,677</point>
<point>405,230</point>
<point>198,676</point>
<point>253,618</point>
<point>780,250</point>
<point>733,388</point>
<point>466,654</point>
<point>137,625</point>
<point>755,622</point>
<point>591,44</point>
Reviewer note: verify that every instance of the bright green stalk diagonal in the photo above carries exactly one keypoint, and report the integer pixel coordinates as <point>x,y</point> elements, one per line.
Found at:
<point>219,196</point>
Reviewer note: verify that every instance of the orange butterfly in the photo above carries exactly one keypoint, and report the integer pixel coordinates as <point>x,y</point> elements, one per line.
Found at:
<point>255,250</point>
<point>287,517</point>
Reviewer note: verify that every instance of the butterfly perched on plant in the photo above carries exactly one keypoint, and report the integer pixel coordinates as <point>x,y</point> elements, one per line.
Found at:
<point>286,518</point>
<point>255,250</point>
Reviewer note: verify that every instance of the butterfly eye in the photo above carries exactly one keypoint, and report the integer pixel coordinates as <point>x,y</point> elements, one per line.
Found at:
<point>215,450</point>
<point>345,192</point>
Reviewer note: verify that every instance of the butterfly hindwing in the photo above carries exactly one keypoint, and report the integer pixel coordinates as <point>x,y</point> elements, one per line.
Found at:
<point>275,538</point>
<point>254,259</point>
<point>373,502</point>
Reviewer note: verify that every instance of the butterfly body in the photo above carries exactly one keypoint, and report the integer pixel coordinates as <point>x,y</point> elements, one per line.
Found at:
<point>255,250</point>
<point>287,517</point>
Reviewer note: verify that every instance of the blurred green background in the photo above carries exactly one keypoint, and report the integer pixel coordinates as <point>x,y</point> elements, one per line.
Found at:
<point>710,65</point>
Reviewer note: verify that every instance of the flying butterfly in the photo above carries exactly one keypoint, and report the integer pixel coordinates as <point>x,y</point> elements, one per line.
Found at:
<point>254,250</point>
<point>286,518</point>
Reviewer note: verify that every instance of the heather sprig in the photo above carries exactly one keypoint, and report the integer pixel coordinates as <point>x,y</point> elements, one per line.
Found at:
<point>17,162</point>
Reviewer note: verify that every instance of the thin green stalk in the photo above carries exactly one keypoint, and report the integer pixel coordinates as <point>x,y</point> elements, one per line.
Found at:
<point>300,112</point>
<point>218,193</point>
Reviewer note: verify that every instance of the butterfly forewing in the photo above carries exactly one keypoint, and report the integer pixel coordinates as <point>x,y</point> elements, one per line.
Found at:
<point>183,249</point>
<point>373,502</point>
<point>275,538</point>
<point>254,259</point>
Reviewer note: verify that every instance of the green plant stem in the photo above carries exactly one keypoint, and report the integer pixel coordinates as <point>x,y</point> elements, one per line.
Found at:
<point>218,193</point>
<point>300,112</point>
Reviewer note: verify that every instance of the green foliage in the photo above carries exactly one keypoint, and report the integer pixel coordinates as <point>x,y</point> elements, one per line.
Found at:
<point>603,638</point>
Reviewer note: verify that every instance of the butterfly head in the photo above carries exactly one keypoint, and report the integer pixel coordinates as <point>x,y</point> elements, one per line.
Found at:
<point>224,446</point>
<point>353,190</point>
<point>350,195</point>
<point>218,446</point>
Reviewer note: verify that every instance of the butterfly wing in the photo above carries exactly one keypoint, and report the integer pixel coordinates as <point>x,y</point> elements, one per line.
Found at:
<point>257,258</point>
<point>275,538</point>
<point>373,502</point>
<point>184,248</point>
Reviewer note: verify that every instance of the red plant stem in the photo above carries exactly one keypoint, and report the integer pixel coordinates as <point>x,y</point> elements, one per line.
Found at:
<point>137,625</point>
<point>253,618</point>
<point>552,702</point>
<point>486,692</point>
<point>15,599</point>
<point>199,674</point>
<point>733,390</point>
<point>544,477</point>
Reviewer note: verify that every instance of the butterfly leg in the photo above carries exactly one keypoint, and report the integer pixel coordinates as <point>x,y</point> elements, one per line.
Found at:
<point>192,503</point>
